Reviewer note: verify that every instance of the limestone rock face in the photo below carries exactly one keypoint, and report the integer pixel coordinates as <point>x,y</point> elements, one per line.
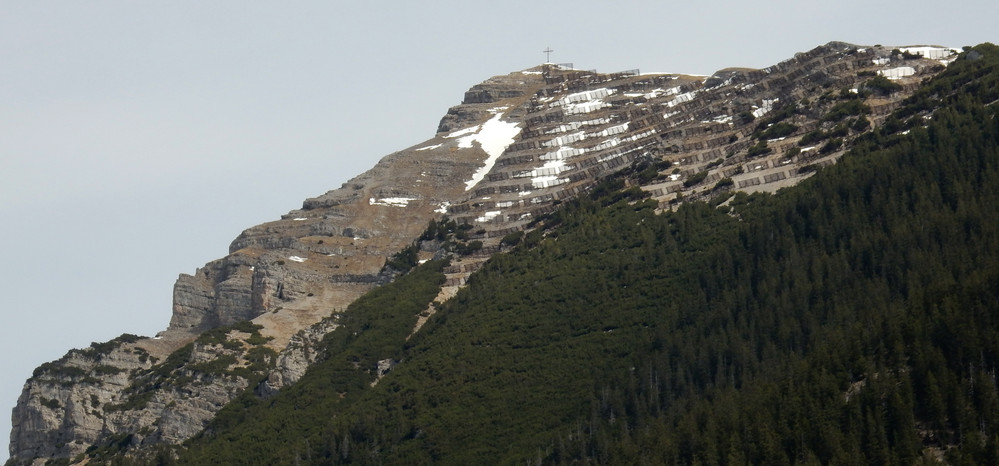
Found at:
<point>517,146</point>
<point>287,276</point>
<point>61,409</point>
<point>301,352</point>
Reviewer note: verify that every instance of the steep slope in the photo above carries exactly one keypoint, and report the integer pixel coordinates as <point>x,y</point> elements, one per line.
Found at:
<point>848,320</point>
<point>517,147</point>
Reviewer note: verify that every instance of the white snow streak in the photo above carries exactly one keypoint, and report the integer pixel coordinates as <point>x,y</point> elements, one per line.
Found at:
<point>489,216</point>
<point>934,53</point>
<point>494,137</point>
<point>896,73</point>
<point>391,201</point>
<point>462,132</point>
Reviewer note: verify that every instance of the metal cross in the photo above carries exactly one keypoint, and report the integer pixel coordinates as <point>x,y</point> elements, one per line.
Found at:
<point>548,54</point>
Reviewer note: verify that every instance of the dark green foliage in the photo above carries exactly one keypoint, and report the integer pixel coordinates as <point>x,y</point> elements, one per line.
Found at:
<point>215,366</point>
<point>256,339</point>
<point>853,319</point>
<point>431,232</point>
<point>695,179</point>
<point>724,183</point>
<point>882,86</point>
<point>759,149</point>
<point>50,403</point>
<point>404,260</point>
<point>178,370</point>
<point>840,130</point>
<point>106,450</point>
<point>861,125</point>
<point>811,137</point>
<point>775,116</point>
<point>219,335</point>
<point>108,346</point>
<point>808,168</point>
<point>512,239</point>
<point>470,247</point>
<point>648,173</point>
<point>58,369</point>
<point>832,146</point>
<point>777,130</point>
<point>851,107</point>
<point>372,329</point>
<point>94,351</point>
<point>246,327</point>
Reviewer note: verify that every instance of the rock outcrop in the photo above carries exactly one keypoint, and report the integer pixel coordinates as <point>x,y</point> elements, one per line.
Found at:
<point>517,146</point>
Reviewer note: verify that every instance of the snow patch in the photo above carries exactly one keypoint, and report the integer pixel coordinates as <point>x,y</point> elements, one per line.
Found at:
<point>547,181</point>
<point>430,147</point>
<point>897,73</point>
<point>768,105</point>
<point>933,53</point>
<point>494,137</point>
<point>462,132</point>
<point>443,207</point>
<point>655,93</point>
<point>299,219</point>
<point>566,139</point>
<point>585,107</point>
<point>587,95</point>
<point>586,101</point>
<point>489,216</point>
<point>391,201</point>
<point>681,98</point>
<point>617,129</point>
<point>562,153</point>
<point>296,259</point>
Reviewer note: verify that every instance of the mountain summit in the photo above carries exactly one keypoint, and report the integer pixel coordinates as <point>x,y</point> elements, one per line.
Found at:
<point>517,150</point>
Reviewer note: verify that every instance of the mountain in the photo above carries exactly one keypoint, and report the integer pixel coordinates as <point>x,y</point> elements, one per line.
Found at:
<point>571,241</point>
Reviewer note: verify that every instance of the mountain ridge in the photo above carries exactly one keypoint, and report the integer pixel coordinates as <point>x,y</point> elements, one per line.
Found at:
<point>573,128</point>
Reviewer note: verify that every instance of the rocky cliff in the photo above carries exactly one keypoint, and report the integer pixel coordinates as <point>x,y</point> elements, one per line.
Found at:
<point>516,147</point>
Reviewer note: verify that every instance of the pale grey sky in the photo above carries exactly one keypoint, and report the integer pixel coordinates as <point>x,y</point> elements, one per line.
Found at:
<point>137,139</point>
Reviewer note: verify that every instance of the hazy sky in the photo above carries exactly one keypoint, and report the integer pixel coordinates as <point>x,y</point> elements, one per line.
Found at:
<point>137,139</point>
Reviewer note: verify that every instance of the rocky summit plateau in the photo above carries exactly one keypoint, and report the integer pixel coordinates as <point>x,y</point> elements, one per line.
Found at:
<point>515,148</point>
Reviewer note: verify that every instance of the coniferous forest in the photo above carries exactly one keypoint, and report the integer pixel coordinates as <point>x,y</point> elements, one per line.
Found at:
<point>852,319</point>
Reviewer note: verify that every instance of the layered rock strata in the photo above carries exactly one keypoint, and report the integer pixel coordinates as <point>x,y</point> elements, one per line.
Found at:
<point>516,147</point>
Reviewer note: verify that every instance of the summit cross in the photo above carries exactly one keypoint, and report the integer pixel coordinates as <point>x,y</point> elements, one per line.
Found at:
<point>548,54</point>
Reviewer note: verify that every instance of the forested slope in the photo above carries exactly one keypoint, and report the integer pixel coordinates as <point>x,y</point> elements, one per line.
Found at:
<point>851,319</point>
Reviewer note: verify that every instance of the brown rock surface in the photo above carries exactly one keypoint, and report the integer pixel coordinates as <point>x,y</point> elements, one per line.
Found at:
<point>515,147</point>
